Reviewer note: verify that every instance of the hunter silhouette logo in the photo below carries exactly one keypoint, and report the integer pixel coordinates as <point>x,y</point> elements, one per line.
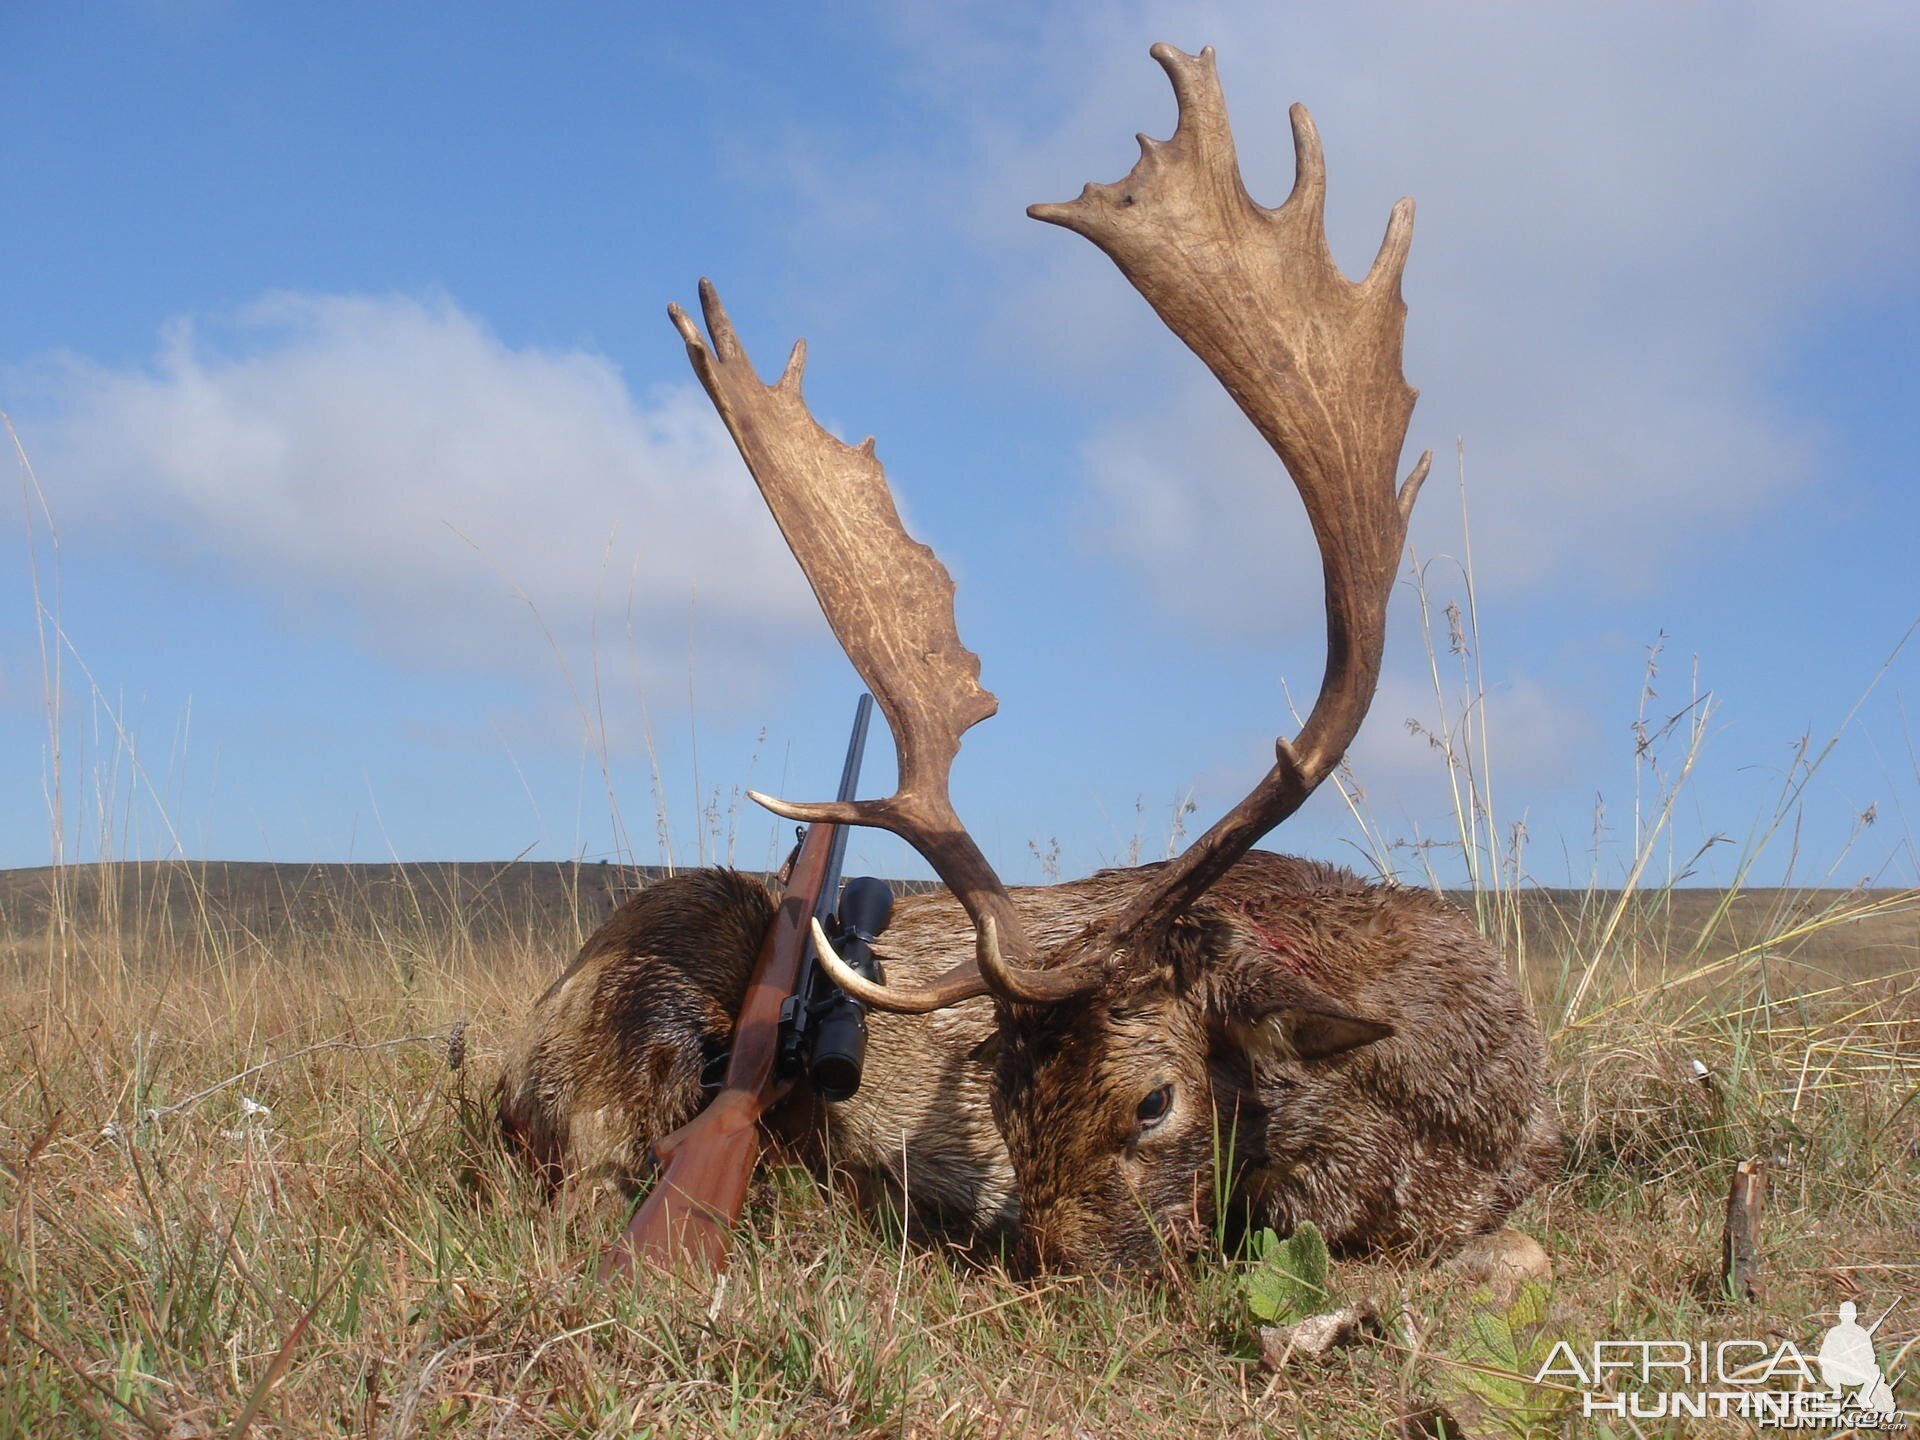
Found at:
<point>1775,1385</point>
<point>1847,1362</point>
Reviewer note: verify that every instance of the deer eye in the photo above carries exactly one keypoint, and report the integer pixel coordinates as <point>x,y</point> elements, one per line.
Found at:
<point>1152,1110</point>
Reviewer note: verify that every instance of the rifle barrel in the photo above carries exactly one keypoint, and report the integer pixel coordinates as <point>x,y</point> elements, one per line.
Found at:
<point>849,784</point>
<point>686,1221</point>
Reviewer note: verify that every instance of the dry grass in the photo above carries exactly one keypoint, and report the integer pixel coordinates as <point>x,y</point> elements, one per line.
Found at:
<point>358,1259</point>
<point>246,1192</point>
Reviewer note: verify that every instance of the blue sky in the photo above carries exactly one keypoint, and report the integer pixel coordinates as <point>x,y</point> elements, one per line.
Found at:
<point>390,520</point>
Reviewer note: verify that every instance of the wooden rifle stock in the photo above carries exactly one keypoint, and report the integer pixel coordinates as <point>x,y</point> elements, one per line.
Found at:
<point>684,1225</point>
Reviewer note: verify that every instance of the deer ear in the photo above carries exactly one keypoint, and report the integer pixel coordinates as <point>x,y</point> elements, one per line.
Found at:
<point>1293,1019</point>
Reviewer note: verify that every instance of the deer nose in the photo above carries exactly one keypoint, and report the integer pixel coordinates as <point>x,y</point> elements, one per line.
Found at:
<point>1065,1237</point>
<point>1041,1248</point>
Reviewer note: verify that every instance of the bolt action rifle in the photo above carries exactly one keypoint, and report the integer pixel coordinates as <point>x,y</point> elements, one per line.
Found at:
<point>793,1023</point>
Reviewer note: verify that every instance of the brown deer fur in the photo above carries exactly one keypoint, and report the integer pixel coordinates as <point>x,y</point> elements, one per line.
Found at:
<point>1356,1055</point>
<point>1352,1054</point>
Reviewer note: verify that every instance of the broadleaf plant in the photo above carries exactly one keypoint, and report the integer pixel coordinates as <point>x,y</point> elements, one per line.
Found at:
<point>1286,1280</point>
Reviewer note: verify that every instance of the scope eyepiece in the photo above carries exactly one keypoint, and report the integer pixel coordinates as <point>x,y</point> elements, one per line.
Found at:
<point>839,1054</point>
<point>839,1049</point>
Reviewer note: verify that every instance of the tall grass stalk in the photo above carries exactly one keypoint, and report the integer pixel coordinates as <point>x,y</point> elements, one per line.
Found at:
<point>249,1183</point>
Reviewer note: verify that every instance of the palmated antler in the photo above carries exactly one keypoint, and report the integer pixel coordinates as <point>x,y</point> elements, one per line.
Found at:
<point>1313,359</point>
<point>889,601</point>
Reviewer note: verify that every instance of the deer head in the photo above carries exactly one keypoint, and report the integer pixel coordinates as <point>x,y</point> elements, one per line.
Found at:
<point>1111,1036</point>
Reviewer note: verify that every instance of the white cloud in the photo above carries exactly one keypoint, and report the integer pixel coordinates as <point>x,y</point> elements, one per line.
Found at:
<point>1535,739</point>
<point>1522,740</point>
<point>1626,212</point>
<point>339,453</point>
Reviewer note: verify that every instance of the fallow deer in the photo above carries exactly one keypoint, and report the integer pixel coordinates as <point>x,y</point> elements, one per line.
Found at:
<point>1095,1066</point>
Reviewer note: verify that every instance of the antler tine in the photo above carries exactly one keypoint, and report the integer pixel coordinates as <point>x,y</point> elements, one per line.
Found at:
<point>889,601</point>
<point>1313,360</point>
<point>960,983</point>
<point>989,974</point>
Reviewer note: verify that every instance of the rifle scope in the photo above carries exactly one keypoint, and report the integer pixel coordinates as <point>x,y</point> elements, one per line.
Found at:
<point>840,1021</point>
